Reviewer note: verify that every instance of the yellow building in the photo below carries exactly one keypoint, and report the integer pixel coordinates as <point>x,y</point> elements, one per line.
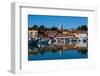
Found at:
<point>32,34</point>
<point>65,32</point>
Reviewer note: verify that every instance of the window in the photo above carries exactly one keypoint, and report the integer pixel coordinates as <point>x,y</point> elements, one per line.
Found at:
<point>36,33</point>
<point>31,32</point>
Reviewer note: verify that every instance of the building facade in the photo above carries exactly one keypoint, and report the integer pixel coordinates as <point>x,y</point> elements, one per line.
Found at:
<point>33,34</point>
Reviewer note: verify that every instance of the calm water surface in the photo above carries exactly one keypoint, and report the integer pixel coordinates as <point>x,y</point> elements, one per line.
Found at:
<point>50,52</point>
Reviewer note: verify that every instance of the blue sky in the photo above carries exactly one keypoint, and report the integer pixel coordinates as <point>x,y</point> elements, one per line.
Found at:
<point>68,22</point>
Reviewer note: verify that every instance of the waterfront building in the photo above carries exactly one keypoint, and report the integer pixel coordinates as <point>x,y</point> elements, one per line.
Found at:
<point>81,34</point>
<point>32,34</point>
<point>52,33</point>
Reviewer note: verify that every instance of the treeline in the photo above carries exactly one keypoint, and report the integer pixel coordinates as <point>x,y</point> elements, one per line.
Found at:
<point>83,27</point>
<point>43,27</point>
<point>54,28</point>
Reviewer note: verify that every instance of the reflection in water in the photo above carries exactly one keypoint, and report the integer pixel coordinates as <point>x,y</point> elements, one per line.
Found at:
<point>45,51</point>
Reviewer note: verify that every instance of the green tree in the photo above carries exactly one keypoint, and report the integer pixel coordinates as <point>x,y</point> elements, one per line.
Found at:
<point>53,28</point>
<point>35,27</point>
<point>83,27</point>
<point>42,27</point>
<point>47,29</point>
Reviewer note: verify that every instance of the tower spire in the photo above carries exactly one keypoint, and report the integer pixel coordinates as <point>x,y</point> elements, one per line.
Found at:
<point>61,26</point>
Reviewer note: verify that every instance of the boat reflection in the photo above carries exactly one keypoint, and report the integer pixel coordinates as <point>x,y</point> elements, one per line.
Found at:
<point>80,47</point>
